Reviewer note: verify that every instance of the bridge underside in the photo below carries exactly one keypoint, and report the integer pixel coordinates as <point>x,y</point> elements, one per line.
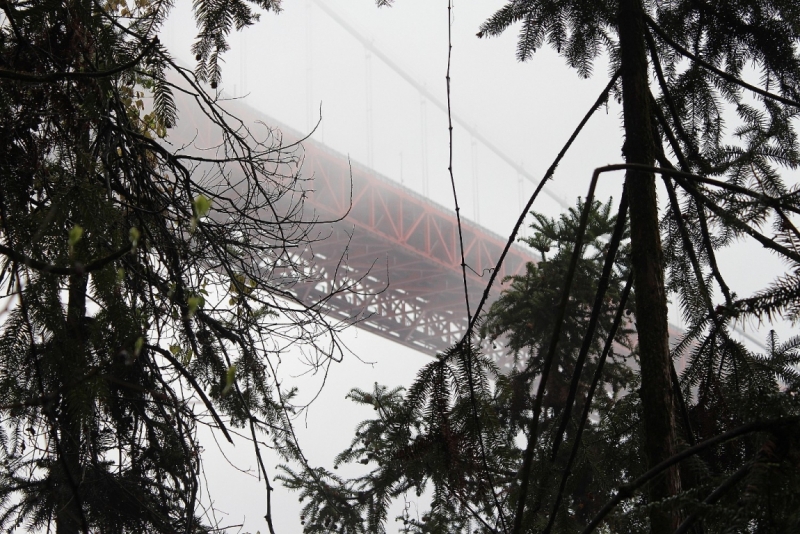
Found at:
<point>404,253</point>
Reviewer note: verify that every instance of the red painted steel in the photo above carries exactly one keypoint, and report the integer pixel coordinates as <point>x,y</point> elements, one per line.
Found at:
<point>398,249</point>
<point>406,251</point>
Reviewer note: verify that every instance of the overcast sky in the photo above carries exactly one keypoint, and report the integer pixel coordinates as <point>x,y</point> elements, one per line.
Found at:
<point>293,64</point>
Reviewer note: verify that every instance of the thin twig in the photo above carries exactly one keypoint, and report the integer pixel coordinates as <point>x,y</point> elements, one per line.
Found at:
<point>466,340</point>
<point>450,160</point>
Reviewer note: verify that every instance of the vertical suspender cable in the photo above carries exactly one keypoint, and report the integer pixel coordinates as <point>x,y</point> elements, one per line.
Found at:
<point>368,66</point>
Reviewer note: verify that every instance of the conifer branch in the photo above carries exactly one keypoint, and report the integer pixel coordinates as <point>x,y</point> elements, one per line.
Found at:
<point>76,270</point>
<point>50,414</point>
<point>588,337</point>
<point>587,407</point>
<point>549,356</point>
<point>670,102</point>
<point>721,490</point>
<point>627,491</point>
<point>195,386</point>
<point>684,163</point>
<point>58,76</point>
<point>677,216</point>
<point>525,470</point>
<point>732,219</point>
<point>721,73</point>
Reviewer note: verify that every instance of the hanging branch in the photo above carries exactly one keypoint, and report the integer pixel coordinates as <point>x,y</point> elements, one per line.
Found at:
<point>602,286</point>
<point>678,215</point>
<point>721,73</point>
<point>680,178</point>
<point>662,82</point>
<point>195,386</point>
<point>567,471</point>
<point>682,160</point>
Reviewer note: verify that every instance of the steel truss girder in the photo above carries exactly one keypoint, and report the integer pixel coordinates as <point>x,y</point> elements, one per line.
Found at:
<point>404,251</point>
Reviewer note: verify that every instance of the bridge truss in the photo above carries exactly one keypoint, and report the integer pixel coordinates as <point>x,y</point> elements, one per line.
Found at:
<point>404,250</point>
<point>397,251</point>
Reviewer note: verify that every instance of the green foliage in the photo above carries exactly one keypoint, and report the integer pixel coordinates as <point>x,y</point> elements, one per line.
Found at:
<point>119,257</point>
<point>215,20</point>
<point>714,123</point>
<point>530,300</point>
<point>454,435</point>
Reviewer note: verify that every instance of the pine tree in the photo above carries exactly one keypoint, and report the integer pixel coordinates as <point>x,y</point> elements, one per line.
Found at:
<point>714,449</point>
<point>429,438</point>
<point>148,284</point>
<point>695,55</point>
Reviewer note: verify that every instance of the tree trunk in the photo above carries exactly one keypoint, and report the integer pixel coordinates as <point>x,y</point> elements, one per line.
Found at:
<point>648,264</point>
<point>72,366</point>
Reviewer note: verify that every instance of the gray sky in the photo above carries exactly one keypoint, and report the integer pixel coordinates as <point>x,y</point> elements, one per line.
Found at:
<point>289,65</point>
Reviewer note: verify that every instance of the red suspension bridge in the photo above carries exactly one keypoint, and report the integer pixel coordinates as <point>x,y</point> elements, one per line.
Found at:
<point>398,251</point>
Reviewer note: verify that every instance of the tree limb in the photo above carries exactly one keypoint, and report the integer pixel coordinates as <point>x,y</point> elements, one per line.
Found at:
<point>76,270</point>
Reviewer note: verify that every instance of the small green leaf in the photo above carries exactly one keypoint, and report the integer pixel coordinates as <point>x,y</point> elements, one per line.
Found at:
<point>174,349</point>
<point>133,236</point>
<point>195,302</point>
<point>230,378</point>
<point>74,236</point>
<point>137,347</point>
<point>201,207</point>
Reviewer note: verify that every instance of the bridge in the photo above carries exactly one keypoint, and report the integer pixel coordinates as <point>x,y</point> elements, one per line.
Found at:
<point>401,249</point>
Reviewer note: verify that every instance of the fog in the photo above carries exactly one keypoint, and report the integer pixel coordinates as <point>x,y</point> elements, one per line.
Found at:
<point>305,70</point>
